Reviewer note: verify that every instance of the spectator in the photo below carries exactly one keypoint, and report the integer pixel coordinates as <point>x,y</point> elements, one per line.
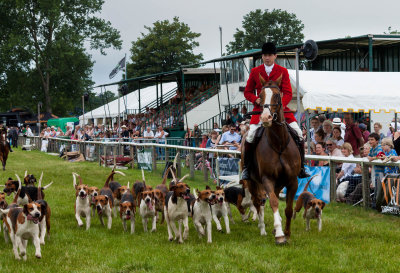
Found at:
<point>29,131</point>
<point>347,168</point>
<point>392,128</point>
<point>320,150</point>
<point>333,150</point>
<point>216,127</point>
<point>364,131</point>
<point>320,135</point>
<point>353,135</point>
<point>321,118</point>
<point>196,134</point>
<point>231,138</point>
<point>243,111</point>
<point>148,133</point>
<point>337,123</point>
<point>124,132</point>
<point>160,136</point>
<point>314,127</point>
<point>375,152</point>
<point>212,142</point>
<point>59,132</point>
<point>327,127</point>
<point>377,129</point>
<point>53,132</point>
<point>390,154</point>
<point>236,117</point>
<point>225,129</point>
<point>336,135</point>
<point>204,140</point>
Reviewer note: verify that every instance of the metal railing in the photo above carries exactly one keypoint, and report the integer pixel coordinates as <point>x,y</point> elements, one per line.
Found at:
<point>113,148</point>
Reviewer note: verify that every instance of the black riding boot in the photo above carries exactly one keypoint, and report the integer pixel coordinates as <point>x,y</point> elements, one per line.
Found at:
<point>302,173</point>
<point>248,154</point>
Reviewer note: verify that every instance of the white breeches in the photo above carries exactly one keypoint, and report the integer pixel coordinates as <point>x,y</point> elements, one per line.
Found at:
<point>254,127</point>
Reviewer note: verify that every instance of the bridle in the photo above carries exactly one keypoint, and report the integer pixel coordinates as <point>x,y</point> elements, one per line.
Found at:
<point>279,105</point>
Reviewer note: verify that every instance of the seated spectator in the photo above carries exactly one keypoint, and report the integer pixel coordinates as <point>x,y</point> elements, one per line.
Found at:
<point>231,138</point>
<point>377,129</point>
<point>204,140</point>
<point>216,127</point>
<point>347,168</point>
<point>333,150</point>
<point>320,150</point>
<point>392,128</point>
<point>315,126</point>
<point>390,155</point>
<point>337,123</point>
<point>327,127</point>
<point>375,153</point>
<point>337,137</point>
<point>244,110</point>
<point>236,117</point>
<point>320,135</point>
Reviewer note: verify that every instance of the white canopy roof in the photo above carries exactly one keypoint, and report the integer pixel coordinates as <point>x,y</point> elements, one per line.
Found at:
<point>147,95</point>
<point>349,91</point>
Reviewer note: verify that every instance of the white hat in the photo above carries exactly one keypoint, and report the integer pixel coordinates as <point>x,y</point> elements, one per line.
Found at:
<point>398,125</point>
<point>337,121</point>
<point>123,126</point>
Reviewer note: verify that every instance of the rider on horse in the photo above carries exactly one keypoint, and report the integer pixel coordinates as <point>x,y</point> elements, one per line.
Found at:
<point>3,130</point>
<point>269,70</point>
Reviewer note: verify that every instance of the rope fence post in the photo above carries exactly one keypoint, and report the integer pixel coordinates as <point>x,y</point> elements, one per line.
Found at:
<point>365,186</point>
<point>332,188</point>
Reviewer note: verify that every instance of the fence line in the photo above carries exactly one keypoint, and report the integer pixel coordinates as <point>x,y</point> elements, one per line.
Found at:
<point>103,148</point>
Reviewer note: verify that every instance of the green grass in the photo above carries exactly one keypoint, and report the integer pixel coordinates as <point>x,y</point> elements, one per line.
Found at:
<point>352,239</point>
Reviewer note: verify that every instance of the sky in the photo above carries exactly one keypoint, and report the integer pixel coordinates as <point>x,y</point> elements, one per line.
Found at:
<point>322,20</point>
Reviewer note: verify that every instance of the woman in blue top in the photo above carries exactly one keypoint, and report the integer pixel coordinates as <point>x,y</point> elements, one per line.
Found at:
<point>390,155</point>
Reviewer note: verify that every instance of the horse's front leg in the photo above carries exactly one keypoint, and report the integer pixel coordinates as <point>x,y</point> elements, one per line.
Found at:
<point>269,186</point>
<point>290,193</point>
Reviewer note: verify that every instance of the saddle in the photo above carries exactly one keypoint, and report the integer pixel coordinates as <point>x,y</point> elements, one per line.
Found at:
<point>291,131</point>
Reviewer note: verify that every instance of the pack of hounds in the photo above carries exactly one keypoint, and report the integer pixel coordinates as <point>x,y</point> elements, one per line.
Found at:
<point>28,216</point>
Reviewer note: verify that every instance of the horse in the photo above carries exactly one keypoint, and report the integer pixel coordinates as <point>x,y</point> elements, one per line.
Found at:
<point>277,161</point>
<point>4,149</point>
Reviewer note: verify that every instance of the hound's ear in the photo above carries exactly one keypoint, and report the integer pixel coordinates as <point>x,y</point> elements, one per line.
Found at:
<point>262,80</point>
<point>208,188</point>
<point>152,194</point>
<point>26,209</point>
<point>323,205</point>
<point>106,197</point>
<point>309,204</point>
<point>218,188</point>
<point>172,188</point>
<point>140,195</point>
<point>279,80</point>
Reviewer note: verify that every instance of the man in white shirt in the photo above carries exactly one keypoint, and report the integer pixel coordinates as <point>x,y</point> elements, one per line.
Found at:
<point>148,133</point>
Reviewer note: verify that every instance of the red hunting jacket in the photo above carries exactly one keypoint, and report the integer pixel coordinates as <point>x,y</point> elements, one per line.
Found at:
<point>254,83</point>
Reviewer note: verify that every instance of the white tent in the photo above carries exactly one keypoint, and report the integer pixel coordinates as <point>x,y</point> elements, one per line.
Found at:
<point>349,91</point>
<point>147,95</point>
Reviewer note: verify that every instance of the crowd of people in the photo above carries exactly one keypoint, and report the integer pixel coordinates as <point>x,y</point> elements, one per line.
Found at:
<point>352,139</point>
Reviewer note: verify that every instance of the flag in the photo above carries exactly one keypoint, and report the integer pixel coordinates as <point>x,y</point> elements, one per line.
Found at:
<point>120,66</point>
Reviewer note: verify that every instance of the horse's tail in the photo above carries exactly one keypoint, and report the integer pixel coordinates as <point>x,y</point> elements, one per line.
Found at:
<point>308,182</point>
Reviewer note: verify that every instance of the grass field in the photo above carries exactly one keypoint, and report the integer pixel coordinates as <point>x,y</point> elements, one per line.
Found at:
<point>352,239</point>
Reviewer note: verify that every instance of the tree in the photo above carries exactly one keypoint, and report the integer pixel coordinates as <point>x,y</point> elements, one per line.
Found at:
<point>391,31</point>
<point>259,26</point>
<point>165,47</point>
<point>48,37</point>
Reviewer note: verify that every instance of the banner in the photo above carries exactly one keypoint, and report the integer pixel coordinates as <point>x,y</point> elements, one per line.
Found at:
<point>228,166</point>
<point>144,159</point>
<point>390,198</point>
<point>120,66</point>
<point>319,186</point>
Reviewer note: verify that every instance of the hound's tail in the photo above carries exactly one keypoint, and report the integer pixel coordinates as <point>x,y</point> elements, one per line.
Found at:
<point>39,189</point>
<point>19,190</point>
<point>308,182</point>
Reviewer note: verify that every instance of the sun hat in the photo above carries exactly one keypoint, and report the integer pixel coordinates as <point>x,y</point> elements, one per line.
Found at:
<point>337,121</point>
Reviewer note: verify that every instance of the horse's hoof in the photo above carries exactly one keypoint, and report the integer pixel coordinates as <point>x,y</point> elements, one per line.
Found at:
<point>281,240</point>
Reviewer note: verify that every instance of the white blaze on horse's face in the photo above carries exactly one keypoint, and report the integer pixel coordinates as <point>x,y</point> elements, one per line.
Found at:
<point>266,116</point>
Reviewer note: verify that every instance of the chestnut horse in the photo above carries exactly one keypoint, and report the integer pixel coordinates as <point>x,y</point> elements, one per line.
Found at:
<point>3,147</point>
<point>277,162</point>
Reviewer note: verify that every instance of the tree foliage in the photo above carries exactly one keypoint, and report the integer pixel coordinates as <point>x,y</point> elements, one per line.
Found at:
<point>42,50</point>
<point>165,47</point>
<point>259,26</point>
